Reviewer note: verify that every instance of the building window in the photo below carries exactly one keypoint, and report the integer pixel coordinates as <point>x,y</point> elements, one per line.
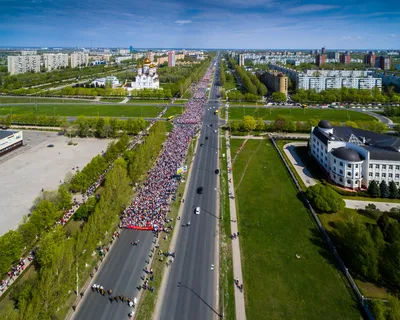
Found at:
<point>397,167</point>
<point>334,160</point>
<point>384,166</point>
<point>341,163</point>
<point>356,166</point>
<point>341,180</point>
<point>390,175</point>
<point>334,169</point>
<point>397,176</point>
<point>356,174</point>
<point>370,166</point>
<point>377,166</point>
<point>390,167</point>
<point>326,158</point>
<point>348,181</point>
<point>349,166</point>
<point>349,173</point>
<point>383,175</point>
<point>377,174</point>
<point>370,174</point>
<point>341,171</point>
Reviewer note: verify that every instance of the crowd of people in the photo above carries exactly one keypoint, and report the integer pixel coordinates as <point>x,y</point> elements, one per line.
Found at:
<point>15,272</point>
<point>100,289</point>
<point>152,203</point>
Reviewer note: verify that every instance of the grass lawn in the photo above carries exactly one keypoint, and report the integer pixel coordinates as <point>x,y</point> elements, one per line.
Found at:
<point>40,100</point>
<point>245,103</point>
<point>230,84</point>
<point>180,101</point>
<point>298,114</point>
<point>329,219</point>
<point>104,110</point>
<point>188,94</point>
<point>172,111</point>
<point>274,227</point>
<point>149,101</point>
<point>111,100</point>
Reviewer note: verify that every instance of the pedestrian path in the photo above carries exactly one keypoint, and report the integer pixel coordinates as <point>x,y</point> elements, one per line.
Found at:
<point>237,264</point>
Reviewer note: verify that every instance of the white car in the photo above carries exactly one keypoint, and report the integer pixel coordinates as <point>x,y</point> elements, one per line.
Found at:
<point>197,211</point>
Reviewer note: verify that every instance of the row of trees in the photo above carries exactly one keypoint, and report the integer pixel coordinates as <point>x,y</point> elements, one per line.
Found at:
<point>236,95</point>
<point>285,124</point>
<point>345,95</point>
<point>103,127</point>
<point>32,119</point>
<point>90,173</point>
<point>93,92</point>
<point>222,77</point>
<point>383,190</point>
<point>61,253</point>
<point>48,208</point>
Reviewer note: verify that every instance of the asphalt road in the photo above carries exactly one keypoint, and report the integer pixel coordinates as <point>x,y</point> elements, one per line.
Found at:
<point>121,272</point>
<point>191,291</point>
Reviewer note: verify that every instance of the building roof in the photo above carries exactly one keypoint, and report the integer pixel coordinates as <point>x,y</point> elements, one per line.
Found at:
<point>346,154</point>
<point>325,124</point>
<point>6,133</point>
<point>146,61</point>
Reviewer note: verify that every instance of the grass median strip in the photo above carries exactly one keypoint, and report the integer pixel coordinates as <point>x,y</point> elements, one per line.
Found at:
<point>298,114</point>
<point>288,271</point>
<point>93,110</point>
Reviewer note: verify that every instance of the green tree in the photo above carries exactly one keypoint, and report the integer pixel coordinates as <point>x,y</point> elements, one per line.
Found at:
<point>11,244</point>
<point>100,127</point>
<point>393,191</point>
<point>44,215</point>
<point>384,189</point>
<point>279,97</point>
<point>324,199</point>
<point>249,123</point>
<point>373,189</point>
<point>393,308</point>
<point>390,264</point>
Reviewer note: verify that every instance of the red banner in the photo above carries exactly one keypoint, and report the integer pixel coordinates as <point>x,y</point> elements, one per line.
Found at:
<point>140,228</point>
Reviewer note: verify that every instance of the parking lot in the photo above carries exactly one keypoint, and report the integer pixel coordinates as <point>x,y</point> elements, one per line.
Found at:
<point>28,169</point>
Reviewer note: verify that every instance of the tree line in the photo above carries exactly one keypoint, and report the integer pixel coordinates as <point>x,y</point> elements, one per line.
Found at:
<point>285,124</point>
<point>345,95</point>
<point>61,253</point>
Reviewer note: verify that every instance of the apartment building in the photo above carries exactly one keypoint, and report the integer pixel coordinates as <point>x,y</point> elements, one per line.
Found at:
<point>53,61</point>
<point>28,52</point>
<point>23,64</point>
<point>171,59</point>
<point>79,59</point>
<point>275,81</point>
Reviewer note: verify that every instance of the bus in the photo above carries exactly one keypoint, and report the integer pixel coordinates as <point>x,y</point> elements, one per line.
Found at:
<point>170,118</point>
<point>216,112</point>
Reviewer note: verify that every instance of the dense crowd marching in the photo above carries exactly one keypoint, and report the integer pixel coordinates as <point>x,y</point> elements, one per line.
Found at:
<point>151,205</point>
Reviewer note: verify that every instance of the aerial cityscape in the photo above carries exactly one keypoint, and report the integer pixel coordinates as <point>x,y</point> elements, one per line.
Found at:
<point>200,160</point>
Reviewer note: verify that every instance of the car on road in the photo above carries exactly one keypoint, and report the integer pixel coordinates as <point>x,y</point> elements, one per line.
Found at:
<point>206,138</point>
<point>50,146</point>
<point>201,144</point>
<point>197,210</point>
<point>200,190</point>
<point>216,171</point>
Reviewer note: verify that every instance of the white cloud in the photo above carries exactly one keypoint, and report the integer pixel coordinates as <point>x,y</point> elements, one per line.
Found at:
<point>182,22</point>
<point>392,35</point>
<point>308,8</point>
<point>345,38</point>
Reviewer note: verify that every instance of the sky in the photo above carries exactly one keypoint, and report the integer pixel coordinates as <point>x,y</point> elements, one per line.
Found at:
<point>236,24</point>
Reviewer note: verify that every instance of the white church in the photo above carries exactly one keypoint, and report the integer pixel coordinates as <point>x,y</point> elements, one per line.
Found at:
<point>147,77</point>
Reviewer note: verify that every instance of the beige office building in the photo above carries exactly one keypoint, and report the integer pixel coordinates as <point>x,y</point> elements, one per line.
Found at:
<point>275,81</point>
<point>23,64</point>
<point>53,61</point>
<point>79,59</point>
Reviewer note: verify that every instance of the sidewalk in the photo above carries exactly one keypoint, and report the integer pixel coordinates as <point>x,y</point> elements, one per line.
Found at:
<point>237,264</point>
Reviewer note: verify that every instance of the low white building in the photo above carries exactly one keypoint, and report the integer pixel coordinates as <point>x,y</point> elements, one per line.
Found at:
<point>102,82</point>
<point>10,140</point>
<point>120,59</point>
<point>353,157</point>
<point>53,61</point>
<point>146,78</point>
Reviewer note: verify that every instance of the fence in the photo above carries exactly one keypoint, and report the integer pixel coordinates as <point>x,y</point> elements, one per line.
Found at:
<point>353,285</point>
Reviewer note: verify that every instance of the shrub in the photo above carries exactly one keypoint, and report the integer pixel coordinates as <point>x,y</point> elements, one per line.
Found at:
<point>324,199</point>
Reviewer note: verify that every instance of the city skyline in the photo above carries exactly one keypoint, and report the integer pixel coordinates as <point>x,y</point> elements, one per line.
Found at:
<point>231,24</point>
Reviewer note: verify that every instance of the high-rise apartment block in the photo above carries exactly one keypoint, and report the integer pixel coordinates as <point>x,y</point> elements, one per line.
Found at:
<point>171,59</point>
<point>333,55</point>
<point>79,59</point>
<point>320,59</point>
<point>275,81</point>
<point>124,51</point>
<point>22,64</point>
<point>241,60</point>
<point>53,61</point>
<point>385,63</point>
<point>369,59</point>
<point>130,49</point>
<point>323,50</point>
<point>345,58</point>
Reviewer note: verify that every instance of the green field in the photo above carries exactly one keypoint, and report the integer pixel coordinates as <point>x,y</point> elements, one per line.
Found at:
<point>40,100</point>
<point>173,111</point>
<point>230,85</point>
<point>245,103</point>
<point>103,110</point>
<point>299,114</point>
<point>274,227</point>
<point>150,101</point>
<point>111,100</point>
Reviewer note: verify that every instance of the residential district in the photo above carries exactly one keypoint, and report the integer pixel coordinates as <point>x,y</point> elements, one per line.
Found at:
<point>199,184</point>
